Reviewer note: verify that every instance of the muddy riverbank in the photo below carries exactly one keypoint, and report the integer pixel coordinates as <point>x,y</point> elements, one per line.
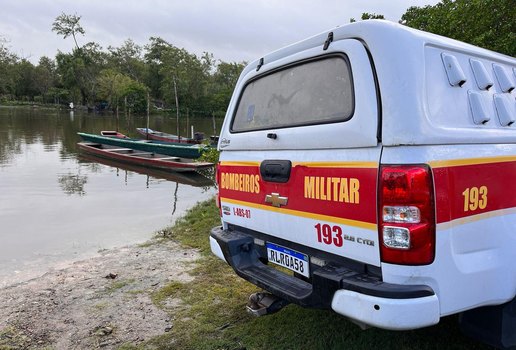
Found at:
<point>102,302</point>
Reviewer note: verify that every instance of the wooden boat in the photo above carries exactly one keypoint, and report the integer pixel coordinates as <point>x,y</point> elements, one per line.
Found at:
<point>176,150</point>
<point>163,136</point>
<point>141,158</point>
<point>187,178</point>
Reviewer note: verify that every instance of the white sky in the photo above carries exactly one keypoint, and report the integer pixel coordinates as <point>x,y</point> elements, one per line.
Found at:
<point>231,30</point>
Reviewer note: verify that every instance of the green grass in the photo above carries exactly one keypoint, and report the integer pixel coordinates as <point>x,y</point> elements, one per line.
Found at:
<point>10,338</point>
<point>214,315</point>
<point>169,291</point>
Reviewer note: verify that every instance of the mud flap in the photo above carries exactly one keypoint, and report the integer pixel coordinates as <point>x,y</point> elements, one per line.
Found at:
<point>493,325</point>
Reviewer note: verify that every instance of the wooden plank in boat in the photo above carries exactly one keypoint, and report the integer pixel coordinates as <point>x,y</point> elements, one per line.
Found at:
<point>169,158</point>
<point>141,154</point>
<point>117,149</point>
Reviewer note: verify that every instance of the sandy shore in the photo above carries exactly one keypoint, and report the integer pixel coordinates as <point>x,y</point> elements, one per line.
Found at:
<point>102,302</point>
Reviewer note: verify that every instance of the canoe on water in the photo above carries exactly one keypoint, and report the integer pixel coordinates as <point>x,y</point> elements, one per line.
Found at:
<point>142,158</point>
<point>176,150</point>
<point>165,137</point>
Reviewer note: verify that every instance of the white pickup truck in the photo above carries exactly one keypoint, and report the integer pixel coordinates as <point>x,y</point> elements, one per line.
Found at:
<point>377,164</point>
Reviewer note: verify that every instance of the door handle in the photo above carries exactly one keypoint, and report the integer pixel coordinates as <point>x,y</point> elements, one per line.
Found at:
<point>274,170</point>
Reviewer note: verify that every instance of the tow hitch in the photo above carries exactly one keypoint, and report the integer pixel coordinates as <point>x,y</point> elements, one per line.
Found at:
<point>262,303</point>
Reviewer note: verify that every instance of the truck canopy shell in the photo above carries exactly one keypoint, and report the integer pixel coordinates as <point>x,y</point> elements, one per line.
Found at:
<point>433,90</point>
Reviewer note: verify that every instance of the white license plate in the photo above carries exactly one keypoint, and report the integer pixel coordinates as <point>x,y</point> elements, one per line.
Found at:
<point>288,258</point>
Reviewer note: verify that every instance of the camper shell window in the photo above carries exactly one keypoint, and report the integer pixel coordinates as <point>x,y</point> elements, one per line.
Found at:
<point>309,92</point>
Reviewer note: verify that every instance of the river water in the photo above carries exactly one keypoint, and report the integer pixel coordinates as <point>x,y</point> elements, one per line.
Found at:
<point>57,206</point>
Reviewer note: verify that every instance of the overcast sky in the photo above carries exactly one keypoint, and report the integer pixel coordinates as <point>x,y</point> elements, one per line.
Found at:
<point>232,30</point>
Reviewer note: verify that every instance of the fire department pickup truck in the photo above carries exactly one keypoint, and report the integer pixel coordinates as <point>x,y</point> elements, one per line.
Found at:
<point>376,164</point>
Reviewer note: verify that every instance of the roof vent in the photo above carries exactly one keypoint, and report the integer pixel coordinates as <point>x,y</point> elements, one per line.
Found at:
<point>454,72</point>
<point>505,109</point>
<point>506,84</point>
<point>478,107</point>
<point>484,81</point>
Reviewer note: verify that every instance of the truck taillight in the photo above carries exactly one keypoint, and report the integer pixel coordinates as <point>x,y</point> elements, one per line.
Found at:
<point>217,180</point>
<point>406,214</point>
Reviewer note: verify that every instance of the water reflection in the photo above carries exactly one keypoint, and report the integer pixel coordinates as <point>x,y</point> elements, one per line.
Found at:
<point>73,184</point>
<point>56,205</point>
<point>174,207</point>
<point>192,179</point>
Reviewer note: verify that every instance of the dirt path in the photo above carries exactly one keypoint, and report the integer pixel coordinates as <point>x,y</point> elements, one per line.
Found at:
<point>101,302</point>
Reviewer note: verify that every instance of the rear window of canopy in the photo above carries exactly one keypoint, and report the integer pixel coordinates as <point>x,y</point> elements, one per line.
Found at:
<point>310,92</point>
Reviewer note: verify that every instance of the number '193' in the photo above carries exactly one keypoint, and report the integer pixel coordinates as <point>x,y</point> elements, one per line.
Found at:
<point>475,198</point>
<point>329,234</point>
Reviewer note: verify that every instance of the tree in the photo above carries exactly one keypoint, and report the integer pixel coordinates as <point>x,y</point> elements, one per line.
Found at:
<point>487,23</point>
<point>189,74</point>
<point>80,69</point>
<point>153,57</point>
<point>25,86</point>
<point>45,76</point>
<point>135,96</point>
<point>67,25</point>
<point>7,72</point>
<point>112,86</point>
<point>222,84</point>
<point>366,16</point>
<point>115,87</point>
<point>128,59</point>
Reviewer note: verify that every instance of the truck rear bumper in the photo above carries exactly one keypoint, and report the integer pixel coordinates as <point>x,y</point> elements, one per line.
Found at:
<point>394,314</point>
<point>353,294</point>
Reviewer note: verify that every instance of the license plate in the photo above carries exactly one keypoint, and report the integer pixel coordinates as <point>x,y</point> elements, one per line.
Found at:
<point>288,258</point>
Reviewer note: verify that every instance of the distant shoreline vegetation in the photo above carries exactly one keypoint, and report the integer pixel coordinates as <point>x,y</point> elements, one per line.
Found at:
<point>124,78</point>
<point>6,103</point>
<point>121,78</point>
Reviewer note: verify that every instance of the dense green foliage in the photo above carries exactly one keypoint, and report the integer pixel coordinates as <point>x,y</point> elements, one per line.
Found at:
<point>486,23</point>
<point>119,77</point>
<point>367,15</point>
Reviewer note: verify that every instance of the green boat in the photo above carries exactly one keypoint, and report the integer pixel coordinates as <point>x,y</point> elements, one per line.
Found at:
<point>191,152</point>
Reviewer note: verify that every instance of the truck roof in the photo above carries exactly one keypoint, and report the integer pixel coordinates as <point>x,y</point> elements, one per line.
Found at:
<point>433,90</point>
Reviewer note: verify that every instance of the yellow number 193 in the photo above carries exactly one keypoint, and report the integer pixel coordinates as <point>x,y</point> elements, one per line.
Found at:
<point>475,198</point>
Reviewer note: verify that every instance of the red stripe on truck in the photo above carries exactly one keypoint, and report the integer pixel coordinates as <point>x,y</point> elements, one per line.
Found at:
<point>468,190</point>
<point>341,192</point>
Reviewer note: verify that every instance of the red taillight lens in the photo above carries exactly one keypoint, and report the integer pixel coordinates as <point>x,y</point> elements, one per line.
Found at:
<point>406,214</point>
<point>217,180</point>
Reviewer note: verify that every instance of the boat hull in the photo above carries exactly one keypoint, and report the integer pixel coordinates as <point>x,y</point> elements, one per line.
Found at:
<point>192,152</point>
<point>164,137</point>
<point>144,159</point>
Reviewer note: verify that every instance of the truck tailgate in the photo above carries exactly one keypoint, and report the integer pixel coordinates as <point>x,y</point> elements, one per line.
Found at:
<point>326,205</point>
